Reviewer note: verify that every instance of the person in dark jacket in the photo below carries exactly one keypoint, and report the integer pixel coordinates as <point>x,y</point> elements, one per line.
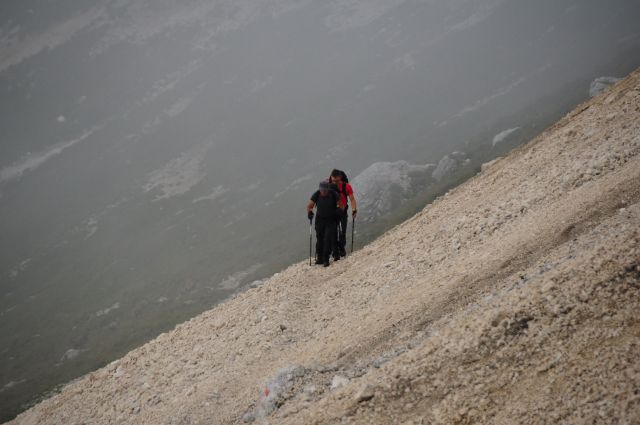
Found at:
<point>325,202</point>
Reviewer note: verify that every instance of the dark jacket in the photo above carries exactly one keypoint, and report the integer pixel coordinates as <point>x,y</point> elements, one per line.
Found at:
<point>326,206</point>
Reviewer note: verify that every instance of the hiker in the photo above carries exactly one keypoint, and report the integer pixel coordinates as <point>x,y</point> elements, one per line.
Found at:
<point>341,185</point>
<point>325,201</point>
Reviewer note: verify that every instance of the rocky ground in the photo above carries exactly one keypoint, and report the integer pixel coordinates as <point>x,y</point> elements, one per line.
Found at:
<point>515,298</point>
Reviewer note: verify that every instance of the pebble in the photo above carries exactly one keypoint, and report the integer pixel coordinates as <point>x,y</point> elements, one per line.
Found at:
<point>366,393</point>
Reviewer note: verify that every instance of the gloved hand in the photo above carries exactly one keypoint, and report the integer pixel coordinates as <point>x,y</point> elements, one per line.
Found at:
<point>354,213</point>
<point>310,215</point>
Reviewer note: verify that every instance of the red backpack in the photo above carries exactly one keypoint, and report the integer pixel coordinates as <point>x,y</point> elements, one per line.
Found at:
<point>342,189</point>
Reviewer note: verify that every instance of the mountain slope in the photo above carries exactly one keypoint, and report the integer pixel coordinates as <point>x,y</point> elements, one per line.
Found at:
<point>512,299</point>
<point>152,152</point>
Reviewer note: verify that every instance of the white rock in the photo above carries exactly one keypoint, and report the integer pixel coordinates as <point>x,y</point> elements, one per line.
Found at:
<point>502,136</point>
<point>339,381</point>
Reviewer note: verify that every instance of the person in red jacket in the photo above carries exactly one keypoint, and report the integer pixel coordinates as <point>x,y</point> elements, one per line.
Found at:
<point>341,184</point>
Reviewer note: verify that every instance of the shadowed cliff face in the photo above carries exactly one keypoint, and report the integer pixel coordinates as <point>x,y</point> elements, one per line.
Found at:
<point>155,156</point>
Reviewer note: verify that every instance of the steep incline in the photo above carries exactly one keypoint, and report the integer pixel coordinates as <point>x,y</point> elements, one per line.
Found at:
<point>512,299</point>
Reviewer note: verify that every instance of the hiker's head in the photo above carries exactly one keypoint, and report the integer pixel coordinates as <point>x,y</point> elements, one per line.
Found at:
<point>324,187</point>
<point>336,176</point>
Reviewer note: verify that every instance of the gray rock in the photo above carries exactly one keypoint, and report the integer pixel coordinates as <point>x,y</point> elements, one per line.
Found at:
<point>299,371</point>
<point>448,164</point>
<point>366,393</point>
<point>276,391</point>
<point>384,185</point>
<point>601,84</point>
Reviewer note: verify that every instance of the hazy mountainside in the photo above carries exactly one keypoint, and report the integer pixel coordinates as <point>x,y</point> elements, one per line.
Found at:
<point>511,299</point>
<point>156,156</point>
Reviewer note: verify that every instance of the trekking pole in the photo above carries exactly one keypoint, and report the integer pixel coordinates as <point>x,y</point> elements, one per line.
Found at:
<point>310,238</point>
<point>353,230</point>
<point>339,236</point>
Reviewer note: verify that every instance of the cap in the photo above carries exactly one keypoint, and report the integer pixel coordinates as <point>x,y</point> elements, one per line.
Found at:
<point>324,185</point>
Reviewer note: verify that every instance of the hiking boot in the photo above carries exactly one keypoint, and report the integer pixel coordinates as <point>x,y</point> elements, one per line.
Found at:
<point>318,262</point>
<point>326,264</point>
<point>336,258</point>
<point>343,252</point>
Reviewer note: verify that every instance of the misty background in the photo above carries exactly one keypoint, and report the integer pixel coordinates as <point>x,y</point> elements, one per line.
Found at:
<point>156,156</point>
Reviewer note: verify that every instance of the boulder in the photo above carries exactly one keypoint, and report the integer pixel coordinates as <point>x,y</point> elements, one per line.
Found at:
<point>384,185</point>
<point>601,84</point>
<point>448,164</point>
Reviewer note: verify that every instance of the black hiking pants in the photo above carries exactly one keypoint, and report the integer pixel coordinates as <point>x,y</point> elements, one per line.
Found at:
<point>325,238</point>
<point>341,232</point>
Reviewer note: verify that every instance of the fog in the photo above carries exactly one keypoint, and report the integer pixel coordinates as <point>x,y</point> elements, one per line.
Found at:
<point>156,156</point>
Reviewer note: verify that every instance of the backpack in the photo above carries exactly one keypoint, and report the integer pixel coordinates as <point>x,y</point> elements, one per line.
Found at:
<point>342,190</point>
